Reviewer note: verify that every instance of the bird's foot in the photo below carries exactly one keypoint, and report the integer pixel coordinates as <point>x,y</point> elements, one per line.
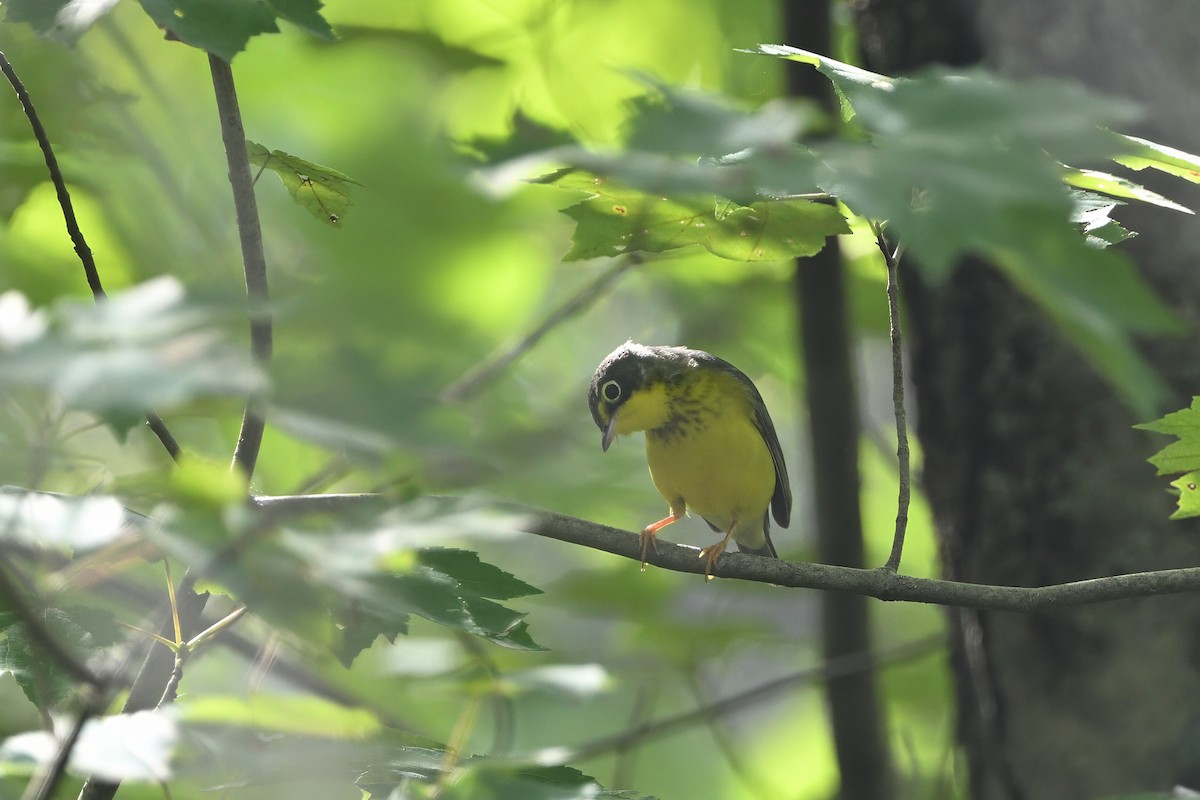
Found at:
<point>712,553</point>
<point>649,539</point>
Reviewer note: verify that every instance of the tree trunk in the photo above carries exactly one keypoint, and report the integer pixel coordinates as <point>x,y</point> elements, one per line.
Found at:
<point>1032,469</point>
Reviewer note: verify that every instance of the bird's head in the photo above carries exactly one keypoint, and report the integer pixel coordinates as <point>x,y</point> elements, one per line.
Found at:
<point>628,391</point>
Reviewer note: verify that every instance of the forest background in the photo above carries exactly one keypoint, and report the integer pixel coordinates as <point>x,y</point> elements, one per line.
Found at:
<point>435,320</point>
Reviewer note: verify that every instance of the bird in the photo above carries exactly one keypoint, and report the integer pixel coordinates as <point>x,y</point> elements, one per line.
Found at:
<point>710,443</point>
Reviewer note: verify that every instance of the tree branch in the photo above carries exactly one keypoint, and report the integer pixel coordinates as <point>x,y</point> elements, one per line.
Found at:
<point>82,250</point>
<point>486,371</point>
<point>890,258</point>
<point>877,583</point>
<point>837,667</point>
<point>254,261</point>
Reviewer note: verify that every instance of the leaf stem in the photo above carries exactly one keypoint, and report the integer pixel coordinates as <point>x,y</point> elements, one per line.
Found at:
<point>489,369</point>
<point>891,259</point>
<point>254,260</point>
<point>153,420</point>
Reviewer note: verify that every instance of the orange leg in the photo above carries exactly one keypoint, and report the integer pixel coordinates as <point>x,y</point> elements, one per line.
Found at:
<point>650,532</point>
<point>713,552</point>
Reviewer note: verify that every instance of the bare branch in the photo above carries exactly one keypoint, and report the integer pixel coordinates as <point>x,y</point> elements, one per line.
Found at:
<point>878,583</point>
<point>488,370</point>
<point>254,261</point>
<point>84,252</point>
<point>891,258</point>
<point>836,667</point>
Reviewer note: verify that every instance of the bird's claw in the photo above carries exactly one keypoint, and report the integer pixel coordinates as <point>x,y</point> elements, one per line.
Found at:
<point>712,553</point>
<point>649,539</point>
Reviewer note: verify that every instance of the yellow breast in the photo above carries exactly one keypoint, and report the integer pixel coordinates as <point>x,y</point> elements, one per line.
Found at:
<point>709,457</point>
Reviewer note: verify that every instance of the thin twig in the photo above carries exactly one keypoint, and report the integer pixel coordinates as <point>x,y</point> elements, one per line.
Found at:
<point>487,371</point>
<point>725,743</point>
<point>254,261</point>
<point>891,259</point>
<point>879,583</point>
<point>155,422</point>
<point>837,667</point>
<point>56,177</point>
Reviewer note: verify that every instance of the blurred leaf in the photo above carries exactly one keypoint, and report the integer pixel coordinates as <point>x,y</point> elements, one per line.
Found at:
<point>954,158</point>
<point>1138,154</point>
<point>146,347</point>
<point>846,78</point>
<point>1096,299</point>
<point>323,192</point>
<point>207,483</point>
<point>64,20</point>
<point>123,747</point>
<point>20,323</point>
<point>422,657</point>
<point>81,629</point>
<point>575,680</point>
<point>690,123</point>
<point>226,27</point>
<point>1116,186</point>
<point>296,714</point>
<point>454,57</point>
<point>483,779</point>
<point>332,434</point>
<point>45,519</point>
<point>617,220</point>
<point>344,583</point>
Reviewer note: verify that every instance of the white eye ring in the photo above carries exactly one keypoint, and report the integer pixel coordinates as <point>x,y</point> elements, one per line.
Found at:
<point>611,391</point>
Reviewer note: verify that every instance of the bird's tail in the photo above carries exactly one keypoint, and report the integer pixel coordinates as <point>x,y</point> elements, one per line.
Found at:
<point>767,550</point>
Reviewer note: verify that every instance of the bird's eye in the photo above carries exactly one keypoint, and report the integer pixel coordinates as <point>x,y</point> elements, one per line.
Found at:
<point>611,391</point>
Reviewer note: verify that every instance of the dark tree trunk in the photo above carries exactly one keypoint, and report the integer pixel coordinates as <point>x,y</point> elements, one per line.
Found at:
<point>856,714</point>
<point>1031,467</point>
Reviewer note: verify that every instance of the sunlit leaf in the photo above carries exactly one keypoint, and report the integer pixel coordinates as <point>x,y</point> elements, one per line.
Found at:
<point>1093,216</point>
<point>1116,186</point>
<point>1182,455</point>
<point>294,713</point>
<point>225,28</point>
<point>64,20</point>
<point>323,192</point>
<point>20,323</point>
<point>617,219</point>
<point>575,680</point>
<point>123,747</point>
<point>845,77</point>
<point>1189,496</point>
<point>1142,154</point>
<point>44,519</point>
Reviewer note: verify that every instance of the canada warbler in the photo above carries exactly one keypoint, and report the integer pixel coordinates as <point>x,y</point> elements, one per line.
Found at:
<point>710,442</point>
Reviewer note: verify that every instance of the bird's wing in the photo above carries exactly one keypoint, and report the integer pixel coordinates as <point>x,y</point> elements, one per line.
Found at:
<point>781,499</point>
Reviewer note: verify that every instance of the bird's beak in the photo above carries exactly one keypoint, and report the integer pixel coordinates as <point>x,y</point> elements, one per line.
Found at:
<point>610,433</point>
